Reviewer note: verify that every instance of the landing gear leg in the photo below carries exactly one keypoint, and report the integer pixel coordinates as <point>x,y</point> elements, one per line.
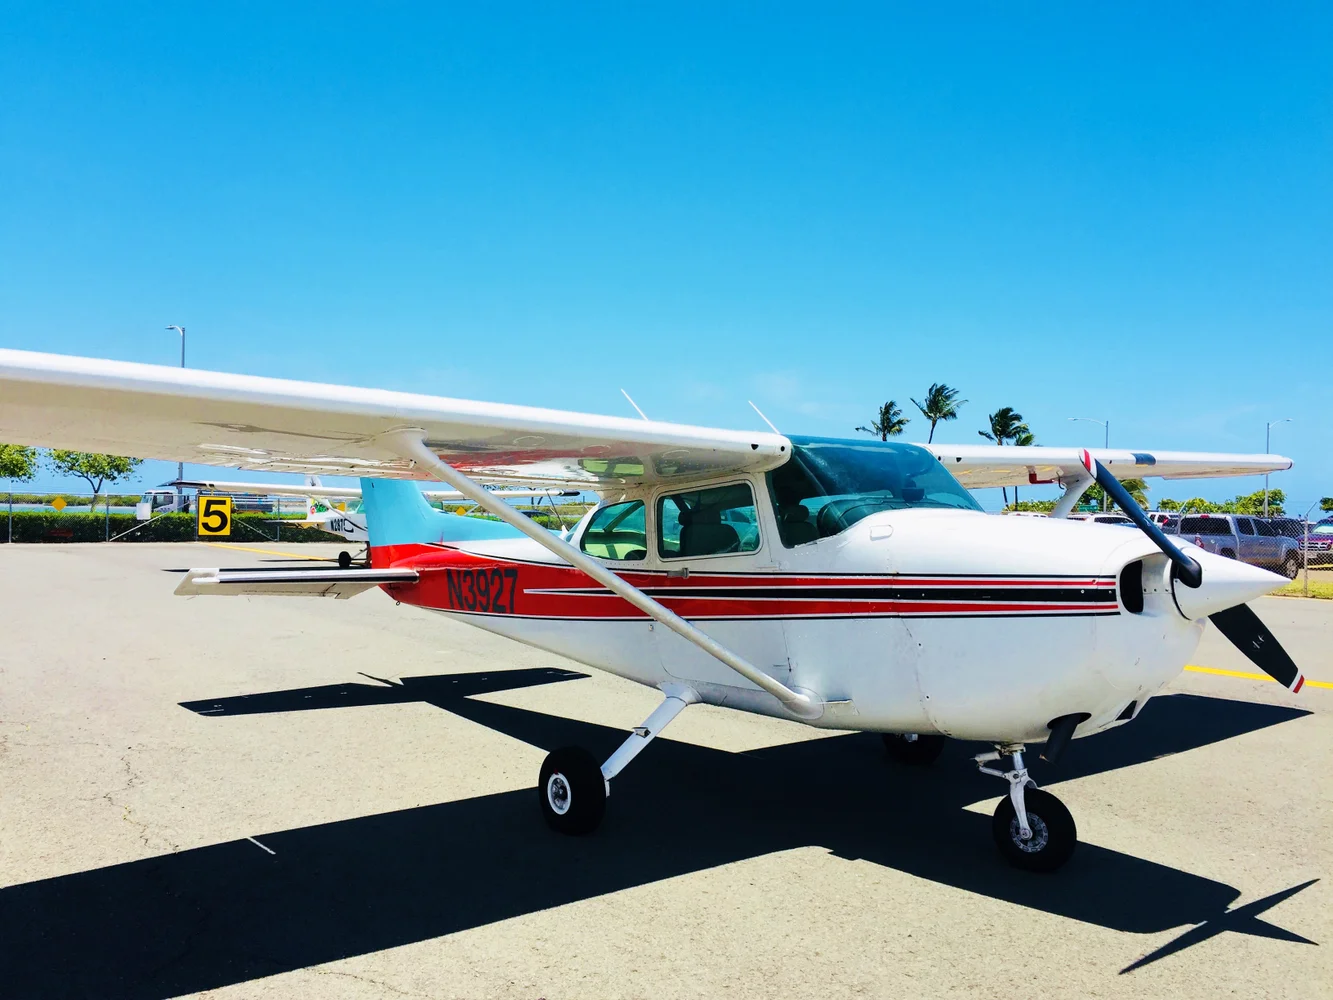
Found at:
<point>573,789</point>
<point>1033,829</point>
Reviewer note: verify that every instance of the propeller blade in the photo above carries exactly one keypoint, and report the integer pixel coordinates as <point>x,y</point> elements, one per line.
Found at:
<point>1187,570</point>
<point>1251,636</point>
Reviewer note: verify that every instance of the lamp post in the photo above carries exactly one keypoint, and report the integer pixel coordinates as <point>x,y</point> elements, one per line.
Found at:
<point>180,466</point>
<point>1106,443</point>
<point>1268,435</point>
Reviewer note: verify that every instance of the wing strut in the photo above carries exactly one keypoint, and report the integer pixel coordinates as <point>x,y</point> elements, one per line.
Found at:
<point>1076,483</point>
<point>411,444</point>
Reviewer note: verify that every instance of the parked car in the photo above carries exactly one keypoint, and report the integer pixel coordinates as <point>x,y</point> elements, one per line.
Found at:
<point>1319,544</point>
<point>1105,518</point>
<point>1166,520</point>
<point>1250,539</point>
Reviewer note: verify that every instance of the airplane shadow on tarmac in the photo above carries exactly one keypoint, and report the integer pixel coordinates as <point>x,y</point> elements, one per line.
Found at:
<point>206,918</point>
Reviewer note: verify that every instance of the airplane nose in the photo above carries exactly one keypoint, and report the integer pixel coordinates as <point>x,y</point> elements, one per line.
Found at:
<point>1226,583</point>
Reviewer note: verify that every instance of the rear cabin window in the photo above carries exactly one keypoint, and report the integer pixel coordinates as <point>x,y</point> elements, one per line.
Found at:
<point>707,522</point>
<point>617,532</point>
<point>1204,526</point>
<point>1246,528</point>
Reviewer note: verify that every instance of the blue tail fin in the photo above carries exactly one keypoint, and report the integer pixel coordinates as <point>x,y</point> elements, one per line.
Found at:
<point>397,514</point>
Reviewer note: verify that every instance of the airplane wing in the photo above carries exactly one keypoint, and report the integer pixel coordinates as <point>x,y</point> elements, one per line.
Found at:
<point>278,425</point>
<point>977,466</point>
<point>336,583</point>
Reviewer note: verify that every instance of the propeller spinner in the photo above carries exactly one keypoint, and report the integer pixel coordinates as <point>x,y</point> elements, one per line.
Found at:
<point>1238,623</point>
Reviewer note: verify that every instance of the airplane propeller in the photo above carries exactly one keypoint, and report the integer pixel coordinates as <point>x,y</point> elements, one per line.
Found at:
<point>1238,623</point>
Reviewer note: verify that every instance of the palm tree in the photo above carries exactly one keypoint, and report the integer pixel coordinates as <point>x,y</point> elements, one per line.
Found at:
<point>1006,423</point>
<point>889,423</point>
<point>941,403</point>
<point>1136,488</point>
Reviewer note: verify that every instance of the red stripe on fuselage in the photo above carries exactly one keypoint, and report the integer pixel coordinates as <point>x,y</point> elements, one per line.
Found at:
<point>455,580</point>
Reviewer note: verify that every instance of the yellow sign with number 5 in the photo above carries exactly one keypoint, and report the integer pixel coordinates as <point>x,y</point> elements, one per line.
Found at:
<point>215,516</point>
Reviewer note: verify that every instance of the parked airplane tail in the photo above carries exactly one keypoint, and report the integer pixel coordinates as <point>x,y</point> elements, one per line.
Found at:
<point>397,514</point>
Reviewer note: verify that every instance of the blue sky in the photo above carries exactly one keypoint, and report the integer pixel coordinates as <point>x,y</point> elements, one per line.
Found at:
<point>1111,210</point>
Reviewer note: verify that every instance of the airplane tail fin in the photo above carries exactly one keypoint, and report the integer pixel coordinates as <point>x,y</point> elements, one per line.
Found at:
<point>312,506</point>
<point>397,514</point>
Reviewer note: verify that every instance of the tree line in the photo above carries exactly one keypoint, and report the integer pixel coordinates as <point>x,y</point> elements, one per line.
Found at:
<point>21,463</point>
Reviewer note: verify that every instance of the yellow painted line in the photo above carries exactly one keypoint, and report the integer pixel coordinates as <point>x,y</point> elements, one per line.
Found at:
<point>1251,677</point>
<point>274,552</point>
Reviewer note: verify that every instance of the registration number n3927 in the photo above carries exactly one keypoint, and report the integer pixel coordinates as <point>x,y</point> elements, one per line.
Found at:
<point>488,590</point>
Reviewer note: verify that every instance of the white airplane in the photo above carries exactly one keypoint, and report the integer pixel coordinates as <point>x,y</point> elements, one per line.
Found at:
<point>350,523</point>
<point>841,584</point>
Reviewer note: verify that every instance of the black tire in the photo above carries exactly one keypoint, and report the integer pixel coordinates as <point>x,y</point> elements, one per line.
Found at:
<point>920,752</point>
<point>344,560</point>
<point>572,791</point>
<point>1227,554</point>
<point>1291,566</point>
<point>1053,832</point>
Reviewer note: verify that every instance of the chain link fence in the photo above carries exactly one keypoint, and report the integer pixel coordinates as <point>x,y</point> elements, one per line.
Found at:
<point>85,517</point>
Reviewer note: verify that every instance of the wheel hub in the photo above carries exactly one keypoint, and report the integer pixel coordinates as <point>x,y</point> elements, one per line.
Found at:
<point>557,794</point>
<point>1041,836</point>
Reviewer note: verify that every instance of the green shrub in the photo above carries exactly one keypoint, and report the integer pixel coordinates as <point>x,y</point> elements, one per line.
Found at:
<point>48,526</point>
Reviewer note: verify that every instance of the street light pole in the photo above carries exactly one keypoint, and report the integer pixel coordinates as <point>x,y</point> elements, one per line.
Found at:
<point>1268,435</point>
<point>180,466</point>
<point>1106,444</point>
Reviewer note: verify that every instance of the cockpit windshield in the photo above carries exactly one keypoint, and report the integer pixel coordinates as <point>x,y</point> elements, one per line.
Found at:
<point>828,485</point>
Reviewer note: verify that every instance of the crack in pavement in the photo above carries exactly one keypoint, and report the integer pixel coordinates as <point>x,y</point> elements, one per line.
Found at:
<point>132,781</point>
<point>373,982</point>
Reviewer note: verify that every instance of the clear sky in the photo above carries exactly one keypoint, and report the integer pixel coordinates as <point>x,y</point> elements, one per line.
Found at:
<point>1121,211</point>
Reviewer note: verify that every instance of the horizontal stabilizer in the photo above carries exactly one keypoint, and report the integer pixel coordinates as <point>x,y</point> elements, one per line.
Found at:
<point>336,583</point>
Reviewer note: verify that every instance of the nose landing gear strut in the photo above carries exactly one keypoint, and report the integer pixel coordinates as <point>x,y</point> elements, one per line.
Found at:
<point>1032,828</point>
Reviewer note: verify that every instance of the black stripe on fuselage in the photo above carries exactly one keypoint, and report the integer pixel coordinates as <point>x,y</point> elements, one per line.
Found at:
<point>966,595</point>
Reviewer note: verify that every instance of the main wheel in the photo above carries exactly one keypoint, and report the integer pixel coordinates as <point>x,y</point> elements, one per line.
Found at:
<point>1291,566</point>
<point>572,791</point>
<point>344,560</point>
<point>923,750</point>
<point>1053,832</point>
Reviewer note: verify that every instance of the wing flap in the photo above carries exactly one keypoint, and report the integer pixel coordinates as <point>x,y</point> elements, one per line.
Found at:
<point>336,583</point>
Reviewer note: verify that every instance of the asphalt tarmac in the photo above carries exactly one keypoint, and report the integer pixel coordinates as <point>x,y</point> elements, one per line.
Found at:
<point>334,799</point>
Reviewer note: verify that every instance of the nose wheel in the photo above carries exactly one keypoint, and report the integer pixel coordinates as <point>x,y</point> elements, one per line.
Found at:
<point>1032,828</point>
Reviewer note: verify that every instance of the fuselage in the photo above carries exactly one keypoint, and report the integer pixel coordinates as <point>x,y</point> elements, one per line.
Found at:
<point>916,620</point>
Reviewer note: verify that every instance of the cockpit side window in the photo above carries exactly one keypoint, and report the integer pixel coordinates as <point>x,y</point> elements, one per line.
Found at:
<point>707,522</point>
<point>617,532</point>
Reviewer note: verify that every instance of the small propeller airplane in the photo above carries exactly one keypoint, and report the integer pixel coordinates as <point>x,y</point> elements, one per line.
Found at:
<point>350,523</point>
<point>847,585</point>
